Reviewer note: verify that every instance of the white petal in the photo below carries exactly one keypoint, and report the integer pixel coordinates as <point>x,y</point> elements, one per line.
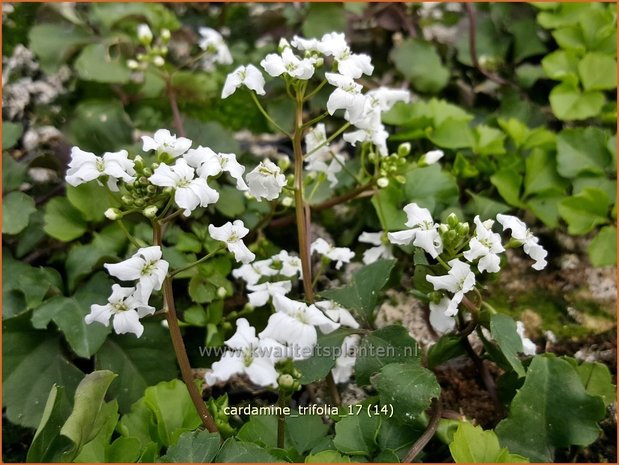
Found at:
<point>128,322</point>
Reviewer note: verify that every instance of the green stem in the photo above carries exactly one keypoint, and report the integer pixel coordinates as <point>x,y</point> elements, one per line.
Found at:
<point>281,421</point>
<point>267,116</point>
<point>315,91</point>
<point>130,236</point>
<point>197,262</point>
<point>329,139</point>
<point>316,120</point>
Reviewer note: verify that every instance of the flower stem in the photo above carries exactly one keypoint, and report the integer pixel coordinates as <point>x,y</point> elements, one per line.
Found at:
<point>178,121</point>
<point>437,410</point>
<point>266,115</point>
<point>197,262</point>
<point>179,345</point>
<point>281,421</point>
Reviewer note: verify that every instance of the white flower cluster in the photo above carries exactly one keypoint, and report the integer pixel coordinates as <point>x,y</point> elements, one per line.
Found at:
<point>299,60</point>
<point>215,49</point>
<point>483,251</point>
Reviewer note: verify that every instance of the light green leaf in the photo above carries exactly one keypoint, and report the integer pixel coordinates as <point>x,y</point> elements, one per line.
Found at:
<point>570,38</point>
<point>603,248</point>
<point>508,182</point>
<point>569,103</point>
<point>63,221</point>
<point>582,151</point>
<point>11,132</point>
<point>488,141</point>
<point>54,43</point>
<point>452,134</point>
<point>17,208</point>
<point>597,380</point>
<point>409,388</point>
<point>541,174</point>
<point>13,172</point>
<point>430,187</point>
<point>471,444</point>
<point>96,63</point>
<point>98,449</point>
<point>598,71</point>
<point>231,202</point>
<point>356,434</point>
<point>390,344</point>
<point>584,211</point>
<point>327,456</point>
<point>526,40</point>
<point>546,208</point>
<point>123,450</point>
<point>561,65</point>
<point>261,430</point>
<point>361,295</point>
<point>421,64</point>
<point>552,409</point>
<point>193,447</point>
<point>91,199</point>
<point>305,431</point>
<point>157,15</point>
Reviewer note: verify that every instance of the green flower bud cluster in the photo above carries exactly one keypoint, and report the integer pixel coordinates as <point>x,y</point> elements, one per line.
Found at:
<point>289,377</point>
<point>141,194</point>
<point>154,52</point>
<point>391,167</point>
<point>454,233</point>
<point>217,407</point>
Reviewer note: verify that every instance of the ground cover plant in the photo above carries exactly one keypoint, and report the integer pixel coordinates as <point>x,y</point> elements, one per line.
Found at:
<point>309,232</point>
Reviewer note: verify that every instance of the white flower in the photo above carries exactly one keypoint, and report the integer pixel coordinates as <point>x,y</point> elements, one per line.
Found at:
<point>337,313</point>
<point>163,141</point>
<point>86,166</point>
<point>261,293</point>
<point>345,363</point>
<point>266,181</point>
<point>433,156</point>
<point>288,63</point>
<point>423,233</point>
<point>528,346</point>
<point>306,45</point>
<point>383,98</point>
<point>375,253</point>
<point>290,264</point>
<point>440,320</point>
<point>124,308</point>
<point>486,245</point>
<point>347,96</point>
<point>338,254</point>
<point>231,234</point>
<point>320,157</point>
<point>294,324</point>
<point>212,42</point>
<point>208,163</point>
<point>251,273</point>
<point>248,76</point>
<point>459,280</point>
<point>348,63</point>
<point>370,130</point>
<point>250,356</point>
<point>530,243</point>
<point>189,192</point>
<point>146,266</point>
<point>145,35</point>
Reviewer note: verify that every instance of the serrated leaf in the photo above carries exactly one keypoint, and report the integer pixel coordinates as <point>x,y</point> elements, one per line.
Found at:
<point>452,134</point>
<point>597,380</point>
<point>508,182</point>
<point>471,444</point>
<point>584,211</point>
<point>541,174</point>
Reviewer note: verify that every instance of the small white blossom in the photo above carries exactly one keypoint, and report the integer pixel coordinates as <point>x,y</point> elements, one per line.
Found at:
<point>163,141</point>
<point>125,310</point>
<point>530,243</point>
<point>486,246</point>
<point>306,45</point>
<point>261,293</point>
<point>213,43</point>
<point>189,192</point>
<point>423,233</point>
<point>266,181</point>
<point>288,63</point>
<point>339,255</point>
<point>346,96</point>
<point>348,64</point>
<point>374,253</point>
<point>250,356</point>
<point>320,156</point>
<point>145,35</point>
<point>231,234</point>
<point>433,156</point>
<point>86,166</point>
<point>248,76</point>
<point>208,163</point>
<point>146,266</point>
<point>383,98</point>
<point>440,320</point>
<point>345,363</point>
<point>459,280</point>
<point>337,313</point>
<point>370,130</point>
<point>253,272</point>
<point>290,264</point>
<point>528,346</point>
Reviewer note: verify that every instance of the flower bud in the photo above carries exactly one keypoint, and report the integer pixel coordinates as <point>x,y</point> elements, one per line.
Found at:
<point>140,56</point>
<point>151,189</point>
<point>401,179</point>
<point>382,182</point>
<point>452,220</point>
<point>165,35</point>
<point>145,35</point>
<point>285,381</point>
<point>221,292</point>
<point>150,211</point>
<point>404,149</point>
<point>113,214</point>
<point>443,228</point>
<point>127,199</point>
<point>283,45</point>
<point>283,163</point>
<point>132,64</point>
<point>287,201</point>
<point>462,229</point>
<point>158,61</point>
<point>139,202</point>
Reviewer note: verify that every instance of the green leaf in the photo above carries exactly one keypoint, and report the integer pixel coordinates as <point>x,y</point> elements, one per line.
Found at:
<point>526,40</point>
<point>564,15</point>
<point>261,430</point>
<point>598,71</point>
<point>361,295</point>
<point>582,151</point>
<point>390,344</point>
<point>491,43</point>
<point>139,362</point>
<point>47,442</point>
<point>603,248</point>
<point>123,450</point>
<point>541,174</point>
<point>231,202</point>
<point>527,75</point>
<point>193,447</point>
<point>11,132</point>
<point>546,208</point>
<point>388,205</point>
<point>421,64</point>
<point>234,451</point>
<point>100,126</point>
<point>305,431</point>
<point>212,134</point>
<point>91,199</point>
<point>446,348</point>
<point>431,187</point>
<point>471,444</point>
<point>597,380</point>
<point>409,388</point>
<point>96,63</point>
<point>17,208</point>
<point>327,456</point>
<point>63,221</point>
<point>356,434</point>
<point>323,359</point>
<point>139,423</point>
<point>503,331</point>
<point>552,409</point>
<point>13,172</point>
<point>508,182</point>
<point>568,103</point>
<point>597,182</point>
<point>488,141</point>
<point>98,448</point>
<point>584,211</point>
<point>570,38</point>
<point>157,15</point>
<point>54,43</point>
<point>323,18</point>
<point>561,65</point>
<point>452,134</point>
<point>173,409</point>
